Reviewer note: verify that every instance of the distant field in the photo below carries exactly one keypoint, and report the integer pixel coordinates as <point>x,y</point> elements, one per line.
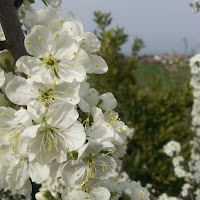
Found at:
<point>149,73</point>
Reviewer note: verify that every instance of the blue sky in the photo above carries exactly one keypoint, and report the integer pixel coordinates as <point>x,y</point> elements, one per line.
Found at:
<point>162,24</point>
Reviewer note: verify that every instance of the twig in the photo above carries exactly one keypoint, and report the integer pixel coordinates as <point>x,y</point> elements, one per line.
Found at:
<point>153,179</point>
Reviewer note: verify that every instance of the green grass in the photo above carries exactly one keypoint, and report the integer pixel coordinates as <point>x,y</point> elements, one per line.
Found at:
<point>147,75</point>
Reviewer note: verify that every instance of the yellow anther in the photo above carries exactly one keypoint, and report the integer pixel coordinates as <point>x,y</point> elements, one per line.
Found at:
<point>61,21</point>
<point>70,99</point>
<point>39,65</point>
<point>30,57</point>
<point>107,125</point>
<point>9,188</point>
<point>89,94</point>
<point>78,175</point>
<point>103,169</point>
<point>40,151</point>
<point>121,129</point>
<point>92,47</point>
<point>56,9</point>
<point>88,77</point>
<point>93,154</point>
<point>3,113</point>
<point>39,38</point>
<point>60,7</point>
<point>64,143</point>
<point>54,82</point>
<point>45,51</point>
<point>71,64</point>
<point>53,119</point>
<point>112,152</point>
<point>99,49</point>
<point>99,57</point>
<point>103,154</point>
<point>61,170</point>
<point>86,180</point>
<point>24,181</point>
<point>110,166</point>
<point>87,120</point>
<point>0,153</point>
<point>74,53</point>
<point>97,65</point>
<point>71,154</point>
<point>9,174</point>
<point>57,34</point>
<point>28,43</point>
<point>81,183</point>
<point>90,56</point>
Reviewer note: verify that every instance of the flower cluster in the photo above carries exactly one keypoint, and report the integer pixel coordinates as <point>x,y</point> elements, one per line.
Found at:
<point>64,128</point>
<point>172,148</point>
<point>195,6</point>
<point>191,173</point>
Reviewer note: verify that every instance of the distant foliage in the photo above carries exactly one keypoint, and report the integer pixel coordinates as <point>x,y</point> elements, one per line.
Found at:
<point>158,116</point>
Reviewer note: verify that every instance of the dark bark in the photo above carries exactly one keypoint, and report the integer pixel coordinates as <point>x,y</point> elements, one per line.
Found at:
<point>3,45</point>
<point>18,3</point>
<point>12,29</point>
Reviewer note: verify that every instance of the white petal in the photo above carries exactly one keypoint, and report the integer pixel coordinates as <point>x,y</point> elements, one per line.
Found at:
<point>54,3</point>
<point>20,92</point>
<point>17,176</point>
<point>31,132</point>
<point>98,65</point>
<point>73,194</point>
<point>75,136</point>
<point>62,115</point>
<point>89,42</point>
<point>38,172</point>
<point>99,193</point>
<point>2,77</point>
<point>8,77</point>
<point>74,174</point>
<point>109,101</point>
<point>37,41</point>
<point>84,106</point>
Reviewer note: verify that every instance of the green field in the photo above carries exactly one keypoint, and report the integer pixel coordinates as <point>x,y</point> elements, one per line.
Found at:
<point>148,74</point>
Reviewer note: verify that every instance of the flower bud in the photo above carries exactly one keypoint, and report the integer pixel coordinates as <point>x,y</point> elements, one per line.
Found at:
<point>44,195</point>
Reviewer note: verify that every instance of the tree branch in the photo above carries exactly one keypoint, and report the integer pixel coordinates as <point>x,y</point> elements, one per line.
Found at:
<point>12,29</point>
<point>18,3</point>
<point>3,45</point>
